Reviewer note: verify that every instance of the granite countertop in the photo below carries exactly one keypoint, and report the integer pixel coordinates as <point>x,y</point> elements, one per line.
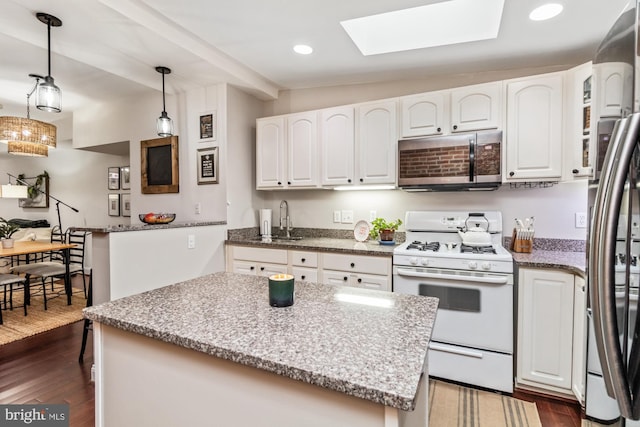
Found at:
<point>371,352</point>
<point>144,227</point>
<point>572,261</point>
<point>322,244</point>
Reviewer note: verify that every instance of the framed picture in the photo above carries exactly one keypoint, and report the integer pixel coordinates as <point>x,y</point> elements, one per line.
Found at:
<point>113,175</point>
<point>125,179</point>
<point>208,126</point>
<point>208,165</point>
<point>125,204</point>
<point>114,204</point>
<point>159,165</point>
<point>38,192</point>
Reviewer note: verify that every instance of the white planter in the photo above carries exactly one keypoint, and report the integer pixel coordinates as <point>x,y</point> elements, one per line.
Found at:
<point>7,243</point>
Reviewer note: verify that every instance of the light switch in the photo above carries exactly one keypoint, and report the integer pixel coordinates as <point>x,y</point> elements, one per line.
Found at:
<point>191,241</point>
<point>347,217</point>
<point>336,216</point>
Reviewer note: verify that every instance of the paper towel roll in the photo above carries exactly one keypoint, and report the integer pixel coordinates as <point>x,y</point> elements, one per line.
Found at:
<point>265,222</point>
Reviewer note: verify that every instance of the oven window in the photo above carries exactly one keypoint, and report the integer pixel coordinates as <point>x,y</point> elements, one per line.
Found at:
<point>458,299</point>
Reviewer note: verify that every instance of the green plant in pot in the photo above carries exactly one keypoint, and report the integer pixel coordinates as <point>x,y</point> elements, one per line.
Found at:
<point>384,230</point>
<point>6,231</point>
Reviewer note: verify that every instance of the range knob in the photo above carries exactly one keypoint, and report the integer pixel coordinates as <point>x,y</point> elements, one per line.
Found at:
<point>413,260</point>
<point>473,265</point>
<point>424,262</point>
<point>486,265</point>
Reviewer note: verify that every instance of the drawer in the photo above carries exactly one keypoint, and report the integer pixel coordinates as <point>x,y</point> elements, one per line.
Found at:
<point>305,274</point>
<point>303,259</point>
<point>357,264</point>
<point>369,281</point>
<point>273,256</point>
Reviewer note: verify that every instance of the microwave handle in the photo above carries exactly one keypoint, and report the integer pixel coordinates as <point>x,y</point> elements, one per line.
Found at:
<point>472,158</point>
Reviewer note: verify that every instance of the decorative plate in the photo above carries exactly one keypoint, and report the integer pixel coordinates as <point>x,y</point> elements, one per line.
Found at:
<point>361,230</point>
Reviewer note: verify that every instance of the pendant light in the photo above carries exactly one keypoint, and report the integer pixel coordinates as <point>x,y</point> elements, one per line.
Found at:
<point>48,96</point>
<point>164,123</point>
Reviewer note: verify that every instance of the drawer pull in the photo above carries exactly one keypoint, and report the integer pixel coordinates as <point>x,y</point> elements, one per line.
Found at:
<point>345,278</point>
<point>359,280</point>
<point>261,268</point>
<point>303,260</point>
<point>303,276</point>
<point>353,264</point>
<point>252,268</point>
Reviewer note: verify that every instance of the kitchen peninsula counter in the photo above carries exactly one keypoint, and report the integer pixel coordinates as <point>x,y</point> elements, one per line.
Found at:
<point>337,354</point>
<point>322,244</point>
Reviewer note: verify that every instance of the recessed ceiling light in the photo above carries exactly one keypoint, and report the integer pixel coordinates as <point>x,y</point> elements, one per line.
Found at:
<point>303,49</point>
<point>438,24</point>
<point>546,11</point>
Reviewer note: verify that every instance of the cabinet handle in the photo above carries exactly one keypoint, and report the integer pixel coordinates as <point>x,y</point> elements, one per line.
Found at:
<point>511,173</point>
<point>455,127</point>
<point>439,129</point>
<point>261,268</point>
<point>303,276</point>
<point>353,265</point>
<point>345,278</point>
<point>361,180</point>
<point>252,268</point>
<point>289,182</point>
<point>303,260</point>
<point>359,280</point>
<point>349,180</point>
<point>279,183</point>
<point>575,171</point>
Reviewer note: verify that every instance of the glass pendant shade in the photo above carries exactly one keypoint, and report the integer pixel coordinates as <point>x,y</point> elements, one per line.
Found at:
<point>27,149</point>
<point>164,125</point>
<point>48,96</point>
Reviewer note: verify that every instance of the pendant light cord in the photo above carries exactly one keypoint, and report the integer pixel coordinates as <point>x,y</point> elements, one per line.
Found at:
<point>49,45</point>
<point>164,109</point>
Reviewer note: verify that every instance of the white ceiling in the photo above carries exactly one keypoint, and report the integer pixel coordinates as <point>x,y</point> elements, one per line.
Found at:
<point>108,49</point>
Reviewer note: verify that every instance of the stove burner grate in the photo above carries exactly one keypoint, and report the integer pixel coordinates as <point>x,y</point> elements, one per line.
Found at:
<point>424,246</point>
<point>488,249</point>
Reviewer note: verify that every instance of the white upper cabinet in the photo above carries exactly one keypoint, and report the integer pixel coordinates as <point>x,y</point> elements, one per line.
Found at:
<point>462,109</point>
<point>476,107</point>
<point>270,152</point>
<point>338,146</point>
<point>287,151</point>
<point>302,150</point>
<point>534,133</point>
<point>612,78</point>
<point>423,114</point>
<point>578,122</point>
<point>376,142</point>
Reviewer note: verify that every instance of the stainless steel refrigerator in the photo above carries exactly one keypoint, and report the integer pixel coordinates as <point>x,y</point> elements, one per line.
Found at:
<point>613,245</point>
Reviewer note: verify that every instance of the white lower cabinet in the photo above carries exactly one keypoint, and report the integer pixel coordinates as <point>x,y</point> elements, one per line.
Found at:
<point>257,261</point>
<point>304,265</point>
<point>550,333</point>
<point>356,270</point>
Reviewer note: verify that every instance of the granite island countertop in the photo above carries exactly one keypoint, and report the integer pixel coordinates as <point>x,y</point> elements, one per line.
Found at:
<point>332,336</point>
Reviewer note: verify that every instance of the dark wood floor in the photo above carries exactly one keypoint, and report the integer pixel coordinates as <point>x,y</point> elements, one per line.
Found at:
<point>45,369</point>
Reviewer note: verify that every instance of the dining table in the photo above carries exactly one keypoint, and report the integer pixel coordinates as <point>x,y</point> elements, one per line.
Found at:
<point>36,247</point>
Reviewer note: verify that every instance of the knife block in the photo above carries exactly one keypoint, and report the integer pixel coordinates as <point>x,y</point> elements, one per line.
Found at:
<point>521,245</point>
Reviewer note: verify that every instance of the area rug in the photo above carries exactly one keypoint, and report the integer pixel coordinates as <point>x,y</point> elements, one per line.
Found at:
<point>451,405</point>
<point>17,326</point>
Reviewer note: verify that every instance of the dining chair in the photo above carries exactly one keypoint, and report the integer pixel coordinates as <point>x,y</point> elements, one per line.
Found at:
<point>10,280</point>
<point>88,324</point>
<point>30,262</point>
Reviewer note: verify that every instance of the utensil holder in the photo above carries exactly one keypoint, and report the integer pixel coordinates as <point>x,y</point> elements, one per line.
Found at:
<point>521,245</point>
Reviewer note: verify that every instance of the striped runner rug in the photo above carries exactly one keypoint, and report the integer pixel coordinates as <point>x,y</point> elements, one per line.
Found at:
<point>451,405</point>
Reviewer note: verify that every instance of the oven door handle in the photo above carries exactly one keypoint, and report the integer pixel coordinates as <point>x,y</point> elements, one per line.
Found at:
<point>459,351</point>
<point>502,280</point>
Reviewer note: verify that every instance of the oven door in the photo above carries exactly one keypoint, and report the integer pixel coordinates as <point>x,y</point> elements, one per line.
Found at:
<point>475,309</point>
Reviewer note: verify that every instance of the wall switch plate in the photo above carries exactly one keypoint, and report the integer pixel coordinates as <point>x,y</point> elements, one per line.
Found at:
<point>581,220</point>
<point>197,208</point>
<point>337,217</point>
<point>347,217</point>
<point>372,215</point>
<point>191,241</point>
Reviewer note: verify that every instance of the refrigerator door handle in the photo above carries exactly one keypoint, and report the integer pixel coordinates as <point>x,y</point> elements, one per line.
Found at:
<point>606,212</point>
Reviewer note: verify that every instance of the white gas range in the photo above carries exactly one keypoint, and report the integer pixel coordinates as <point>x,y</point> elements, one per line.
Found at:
<point>472,339</point>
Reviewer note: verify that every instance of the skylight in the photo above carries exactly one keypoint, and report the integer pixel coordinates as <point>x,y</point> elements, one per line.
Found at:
<point>439,24</point>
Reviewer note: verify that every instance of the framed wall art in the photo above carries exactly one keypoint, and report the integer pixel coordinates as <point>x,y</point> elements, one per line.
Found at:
<point>125,204</point>
<point>125,178</point>
<point>208,165</point>
<point>159,165</point>
<point>114,204</point>
<point>38,191</point>
<point>208,126</point>
<point>113,175</point>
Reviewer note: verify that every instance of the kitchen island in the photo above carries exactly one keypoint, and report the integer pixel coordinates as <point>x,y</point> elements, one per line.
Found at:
<point>211,351</point>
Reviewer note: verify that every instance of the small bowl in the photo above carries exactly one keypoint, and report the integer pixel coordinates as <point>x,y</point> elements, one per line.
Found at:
<point>159,218</point>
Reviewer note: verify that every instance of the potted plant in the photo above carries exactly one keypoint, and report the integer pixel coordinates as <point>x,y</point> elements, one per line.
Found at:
<point>6,231</point>
<point>384,230</point>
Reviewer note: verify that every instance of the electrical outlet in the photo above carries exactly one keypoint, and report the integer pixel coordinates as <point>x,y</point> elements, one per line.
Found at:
<point>372,215</point>
<point>581,220</point>
<point>337,217</point>
<point>347,217</point>
<point>197,208</point>
<point>191,241</point>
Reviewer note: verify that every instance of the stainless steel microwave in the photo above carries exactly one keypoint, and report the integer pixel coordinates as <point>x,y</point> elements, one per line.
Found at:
<point>469,161</point>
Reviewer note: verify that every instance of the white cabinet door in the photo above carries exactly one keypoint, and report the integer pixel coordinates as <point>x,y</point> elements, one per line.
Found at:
<point>245,267</point>
<point>270,152</point>
<point>266,270</point>
<point>476,107</point>
<point>335,277</point>
<point>578,377</point>
<point>305,274</point>
<point>545,329</point>
<point>534,128</point>
<point>302,150</point>
<point>376,143</point>
<point>338,145</point>
<point>423,114</point>
<point>612,78</point>
<point>578,122</point>
<point>371,281</point>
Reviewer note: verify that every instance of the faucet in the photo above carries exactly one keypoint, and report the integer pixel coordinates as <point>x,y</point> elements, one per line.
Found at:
<point>285,219</point>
